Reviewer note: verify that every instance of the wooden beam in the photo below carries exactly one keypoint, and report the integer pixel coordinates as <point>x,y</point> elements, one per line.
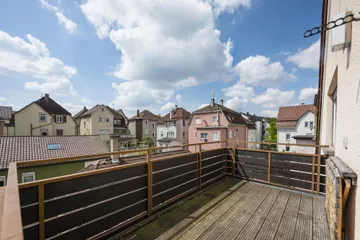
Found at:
<point>289,144</point>
<point>41,212</point>
<point>233,160</point>
<point>286,153</point>
<point>269,167</point>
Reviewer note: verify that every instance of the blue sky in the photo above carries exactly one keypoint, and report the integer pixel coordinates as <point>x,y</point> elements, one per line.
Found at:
<point>154,54</point>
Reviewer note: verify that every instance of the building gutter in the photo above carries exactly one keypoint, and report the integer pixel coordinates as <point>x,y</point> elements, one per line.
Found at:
<point>321,73</point>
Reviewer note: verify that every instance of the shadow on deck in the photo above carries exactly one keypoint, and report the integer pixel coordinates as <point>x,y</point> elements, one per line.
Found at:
<point>235,209</point>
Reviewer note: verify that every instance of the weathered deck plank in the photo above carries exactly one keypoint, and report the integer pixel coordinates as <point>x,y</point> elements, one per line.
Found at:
<point>320,223</point>
<point>215,230</point>
<point>303,228</point>
<point>207,221</point>
<point>271,224</point>
<point>288,222</point>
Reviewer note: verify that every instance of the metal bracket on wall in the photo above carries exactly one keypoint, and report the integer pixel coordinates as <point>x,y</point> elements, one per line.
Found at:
<point>330,25</point>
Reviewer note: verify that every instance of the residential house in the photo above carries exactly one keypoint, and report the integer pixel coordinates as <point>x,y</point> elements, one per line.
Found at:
<point>27,148</point>
<point>261,124</point>
<point>216,122</point>
<point>296,125</point>
<point>6,121</point>
<point>251,131</point>
<point>78,119</point>
<point>43,117</point>
<point>172,129</point>
<point>143,124</point>
<point>339,98</point>
<point>121,112</point>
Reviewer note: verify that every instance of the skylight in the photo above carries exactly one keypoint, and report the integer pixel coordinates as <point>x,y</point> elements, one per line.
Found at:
<point>54,146</point>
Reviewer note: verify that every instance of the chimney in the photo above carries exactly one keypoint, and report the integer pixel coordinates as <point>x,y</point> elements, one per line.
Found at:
<point>171,115</point>
<point>175,106</point>
<point>212,99</point>
<point>46,97</point>
<point>138,113</point>
<point>302,103</point>
<point>222,102</point>
<point>84,107</point>
<point>247,113</point>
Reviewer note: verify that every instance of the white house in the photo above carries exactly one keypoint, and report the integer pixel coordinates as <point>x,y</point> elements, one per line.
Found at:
<point>295,125</point>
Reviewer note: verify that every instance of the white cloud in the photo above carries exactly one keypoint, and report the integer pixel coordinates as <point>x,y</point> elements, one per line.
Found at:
<point>167,107</point>
<point>203,105</point>
<point>273,98</point>
<point>31,59</point>
<point>228,5</point>
<point>239,95</point>
<point>6,102</point>
<point>72,108</point>
<point>307,58</point>
<point>236,103</point>
<point>259,71</point>
<point>86,101</point>
<point>69,25</point>
<point>282,53</point>
<point>178,98</point>
<point>269,113</point>
<point>307,94</point>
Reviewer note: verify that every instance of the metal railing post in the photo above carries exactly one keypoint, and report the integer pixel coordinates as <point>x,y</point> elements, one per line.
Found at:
<point>313,175</point>
<point>233,160</point>
<point>200,158</point>
<point>318,174</point>
<point>269,167</point>
<point>41,212</point>
<point>149,173</point>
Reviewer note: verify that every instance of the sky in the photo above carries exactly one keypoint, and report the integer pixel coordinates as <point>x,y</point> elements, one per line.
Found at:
<point>154,54</point>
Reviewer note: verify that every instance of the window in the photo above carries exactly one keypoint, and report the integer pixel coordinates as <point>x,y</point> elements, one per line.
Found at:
<point>42,117</point>
<point>107,131</point>
<point>195,134</point>
<point>214,119</point>
<point>215,136</point>
<point>146,121</point>
<point>161,134</point>
<point>197,121</point>
<point>334,116</point>
<point>288,136</point>
<point>171,135</point>
<point>288,148</point>
<point>183,122</point>
<point>183,134</point>
<point>203,136</point>
<point>306,124</point>
<point>59,132</point>
<point>102,109</point>
<point>28,177</point>
<point>53,146</point>
<point>153,134</point>
<point>101,131</point>
<point>311,124</point>
<point>153,125</point>
<point>237,129</point>
<point>100,119</point>
<point>146,131</point>
<point>107,119</point>
<point>230,133</point>
<point>59,118</point>
<point>84,124</point>
<point>2,181</point>
<point>44,132</point>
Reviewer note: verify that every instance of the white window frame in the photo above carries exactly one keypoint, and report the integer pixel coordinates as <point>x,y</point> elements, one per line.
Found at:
<point>215,118</point>
<point>101,131</point>
<point>59,119</point>
<point>197,121</point>
<point>207,136</point>
<point>100,119</point>
<point>42,114</point>
<point>28,174</point>
<point>311,124</point>
<point>217,136</point>
<point>3,179</point>
<point>306,124</point>
<point>287,136</point>
<point>230,133</point>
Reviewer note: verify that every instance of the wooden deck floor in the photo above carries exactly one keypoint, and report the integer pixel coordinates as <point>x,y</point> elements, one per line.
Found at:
<point>254,211</point>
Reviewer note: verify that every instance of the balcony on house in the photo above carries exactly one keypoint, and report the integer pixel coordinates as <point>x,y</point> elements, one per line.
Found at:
<point>224,193</point>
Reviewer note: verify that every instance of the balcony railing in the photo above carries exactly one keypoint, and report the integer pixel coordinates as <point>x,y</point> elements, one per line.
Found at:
<point>101,202</point>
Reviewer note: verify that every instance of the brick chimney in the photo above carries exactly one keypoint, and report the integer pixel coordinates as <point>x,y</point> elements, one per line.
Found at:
<point>46,97</point>
<point>222,102</point>
<point>138,113</point>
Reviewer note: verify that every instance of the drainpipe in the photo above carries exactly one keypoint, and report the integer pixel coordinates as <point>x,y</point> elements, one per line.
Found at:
<point>321,74</point>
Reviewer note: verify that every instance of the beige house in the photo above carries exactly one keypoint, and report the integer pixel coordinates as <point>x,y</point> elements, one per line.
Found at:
<point>43,117</point>
<point>144,124</point>
<point>339,98</point>
<point>6,121</point>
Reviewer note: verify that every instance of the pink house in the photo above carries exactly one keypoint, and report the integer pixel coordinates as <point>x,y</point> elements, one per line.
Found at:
<point>216,122</point>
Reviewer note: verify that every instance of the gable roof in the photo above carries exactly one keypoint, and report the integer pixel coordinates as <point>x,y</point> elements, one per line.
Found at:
<point>232,116</point>
<point>51,106</point>
<point>5,112</point>
<point>97,107</point>
<point>288,116</point>
<point>146,114</point>
<point>248,120</point>
<point>178,113</point>
<point>81,112</point>
<point>27,148</point>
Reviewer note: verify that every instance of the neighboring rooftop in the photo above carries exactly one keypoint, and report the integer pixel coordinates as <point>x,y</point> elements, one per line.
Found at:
<point>84,110</point>
<point>5,112</point>
<point>27,148</point>
<point>176,114</point>
<point>97,107</point>
<point>146,114</point>
<point>288,116</point>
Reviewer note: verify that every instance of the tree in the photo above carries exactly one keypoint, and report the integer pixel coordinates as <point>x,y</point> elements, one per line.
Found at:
<point>147,141</point>
<point>271,135</point>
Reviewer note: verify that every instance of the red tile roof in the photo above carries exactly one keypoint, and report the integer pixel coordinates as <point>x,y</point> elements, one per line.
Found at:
<point>288,116</point>
<point>146,114</point>
<point>179,113</point>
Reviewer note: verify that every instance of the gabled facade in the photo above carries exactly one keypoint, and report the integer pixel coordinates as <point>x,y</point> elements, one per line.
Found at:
<point>172,129</point>
<point>43,117</point>
<point>216,122</point>
<point>296,125</point>
<point>144,124</point>
<point>6,121</point>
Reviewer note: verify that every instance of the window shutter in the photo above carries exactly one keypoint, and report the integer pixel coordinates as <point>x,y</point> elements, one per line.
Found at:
<point>64,119</point>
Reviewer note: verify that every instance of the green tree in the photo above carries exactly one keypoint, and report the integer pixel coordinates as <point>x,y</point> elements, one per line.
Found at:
<point>271,135</point>
<point>147,141</point>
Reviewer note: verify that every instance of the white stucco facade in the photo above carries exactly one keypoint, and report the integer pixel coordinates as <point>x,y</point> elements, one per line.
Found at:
<point>252,138</point>
<point>340,108</point>
<point>302,128</point>
<point>163,131</point>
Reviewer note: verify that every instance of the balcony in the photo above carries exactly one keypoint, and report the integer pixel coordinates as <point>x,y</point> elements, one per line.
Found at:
<point>223,193</point>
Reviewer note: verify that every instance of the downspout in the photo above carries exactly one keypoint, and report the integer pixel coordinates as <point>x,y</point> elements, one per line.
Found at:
<point>321,74</point>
